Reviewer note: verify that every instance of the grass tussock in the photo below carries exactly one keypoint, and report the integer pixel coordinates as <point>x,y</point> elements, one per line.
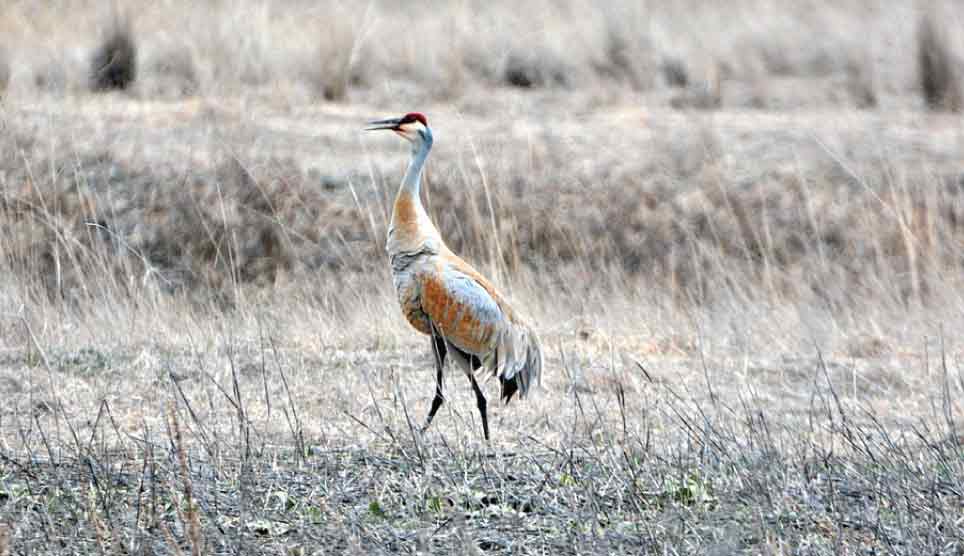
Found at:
<point>113,63</point>
<point>938,67</point>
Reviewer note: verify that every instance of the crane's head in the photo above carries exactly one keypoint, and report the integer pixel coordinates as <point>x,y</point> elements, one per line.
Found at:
<point>413,127</point>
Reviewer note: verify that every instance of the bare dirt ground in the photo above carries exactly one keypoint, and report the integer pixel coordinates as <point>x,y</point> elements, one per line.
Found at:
<point>743,249</point>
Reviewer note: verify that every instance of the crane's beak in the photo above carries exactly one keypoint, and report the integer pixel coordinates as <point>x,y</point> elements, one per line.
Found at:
<point>391,123</point>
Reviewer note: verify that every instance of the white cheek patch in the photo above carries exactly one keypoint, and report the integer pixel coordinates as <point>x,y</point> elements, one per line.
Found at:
<point>411,128</point>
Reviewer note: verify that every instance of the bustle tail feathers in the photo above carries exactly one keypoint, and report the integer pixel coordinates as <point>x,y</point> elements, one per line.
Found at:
<point>518,361</point>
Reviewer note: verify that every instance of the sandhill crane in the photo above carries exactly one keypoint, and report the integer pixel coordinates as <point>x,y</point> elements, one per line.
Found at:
<point>444,297</point>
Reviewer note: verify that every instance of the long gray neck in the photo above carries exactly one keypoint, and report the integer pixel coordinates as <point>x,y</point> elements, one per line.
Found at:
<point>413,175</point>
<point>411,229</point>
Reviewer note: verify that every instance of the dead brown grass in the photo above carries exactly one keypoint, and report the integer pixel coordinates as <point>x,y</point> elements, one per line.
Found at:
<point>694,209</point>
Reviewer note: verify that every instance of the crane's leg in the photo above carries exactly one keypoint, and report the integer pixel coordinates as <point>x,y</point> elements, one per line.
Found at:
<point>438,349</point>
<point>469,364</point>
<point>480,401</point>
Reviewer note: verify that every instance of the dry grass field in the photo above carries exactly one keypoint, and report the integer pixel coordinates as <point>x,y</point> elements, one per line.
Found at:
<point>739,232</point>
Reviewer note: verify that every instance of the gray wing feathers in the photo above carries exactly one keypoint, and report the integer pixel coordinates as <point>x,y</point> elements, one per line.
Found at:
<point>474,296</point>
<point>514,351</point>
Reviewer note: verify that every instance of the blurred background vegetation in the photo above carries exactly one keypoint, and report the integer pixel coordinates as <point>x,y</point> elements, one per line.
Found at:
<point>807,152</point>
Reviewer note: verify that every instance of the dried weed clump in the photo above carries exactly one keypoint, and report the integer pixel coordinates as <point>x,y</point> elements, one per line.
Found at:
<point>862,81</point>
<point>629,55</point>
<point>674,72</point>
<point>4,71</point>
<point>340,63</point>
<point>170,71</point>
<point>4,540</point>
<point>938,68</point>
<point>50,74</point>
<point>113,64</point>
<point>535,69</point>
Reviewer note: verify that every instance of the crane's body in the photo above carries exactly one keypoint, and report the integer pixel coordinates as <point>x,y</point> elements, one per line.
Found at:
<point>445,298</point>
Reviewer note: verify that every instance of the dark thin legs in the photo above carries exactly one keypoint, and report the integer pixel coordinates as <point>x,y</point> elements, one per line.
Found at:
<point>438,348</point>
<point>480,401</point>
